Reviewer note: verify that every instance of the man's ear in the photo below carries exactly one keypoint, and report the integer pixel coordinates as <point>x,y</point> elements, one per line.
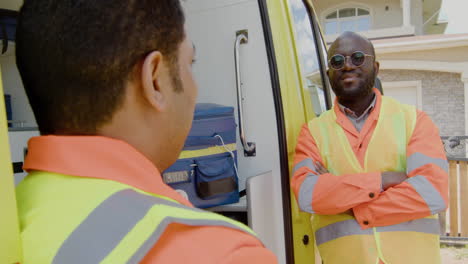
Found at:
<point>376,67</point>
<point>151,72</point>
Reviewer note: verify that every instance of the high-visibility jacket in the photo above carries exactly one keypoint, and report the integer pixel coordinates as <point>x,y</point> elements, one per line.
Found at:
<point>393,226</point>
<point>79,217</point>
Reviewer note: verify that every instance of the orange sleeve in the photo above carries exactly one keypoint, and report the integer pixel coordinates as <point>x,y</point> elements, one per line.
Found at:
<point>328,193</point>
<point>181,244</point>
<point>424,193</point>
<point>255,255</point>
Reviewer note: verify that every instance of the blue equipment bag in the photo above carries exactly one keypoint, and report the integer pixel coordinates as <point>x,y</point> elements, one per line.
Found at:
<point>206,171</point>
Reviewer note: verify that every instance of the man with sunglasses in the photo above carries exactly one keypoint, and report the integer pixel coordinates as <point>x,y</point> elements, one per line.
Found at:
<point>372,170</point>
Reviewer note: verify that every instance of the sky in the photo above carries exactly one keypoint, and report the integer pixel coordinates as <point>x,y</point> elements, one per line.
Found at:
<point>455,12</point>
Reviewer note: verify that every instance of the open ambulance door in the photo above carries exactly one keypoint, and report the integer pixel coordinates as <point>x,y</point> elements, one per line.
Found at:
<point>305,94</point>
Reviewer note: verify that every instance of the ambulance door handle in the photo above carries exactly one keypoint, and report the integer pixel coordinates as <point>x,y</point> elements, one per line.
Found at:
<point>242,37</point>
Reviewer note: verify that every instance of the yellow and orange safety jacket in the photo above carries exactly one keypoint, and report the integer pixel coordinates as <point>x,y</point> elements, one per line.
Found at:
<point>398,225</point>
<point>90,199</point>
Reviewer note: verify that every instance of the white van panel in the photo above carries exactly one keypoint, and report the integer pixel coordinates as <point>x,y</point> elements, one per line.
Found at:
<point>261,217</point>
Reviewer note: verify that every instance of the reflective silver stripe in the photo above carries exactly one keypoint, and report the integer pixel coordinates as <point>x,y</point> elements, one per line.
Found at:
<point>104,228</point>
<point>351,227</point>
<point>95,238</point>
<point>418,159</point>
<point>309,163</point>
<point>423,225</point>
<point>306,191</point>
<point>428,192</point>
<point>151,241</point>
<point>340,229</point>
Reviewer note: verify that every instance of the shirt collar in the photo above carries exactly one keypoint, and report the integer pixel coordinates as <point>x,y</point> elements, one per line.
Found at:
<point>343,120</point>
<point>351,113</point>
<point>97,157</point>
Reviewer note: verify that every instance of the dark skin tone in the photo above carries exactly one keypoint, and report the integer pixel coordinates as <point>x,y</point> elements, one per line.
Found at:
<point>353,86</point>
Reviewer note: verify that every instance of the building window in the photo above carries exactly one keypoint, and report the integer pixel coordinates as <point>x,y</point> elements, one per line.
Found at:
<point>347,19</point>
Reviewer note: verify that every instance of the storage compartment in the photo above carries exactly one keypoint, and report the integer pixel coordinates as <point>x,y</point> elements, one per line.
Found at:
<point>216,177</point>
<point>206,181</point>
<point>206,172</point>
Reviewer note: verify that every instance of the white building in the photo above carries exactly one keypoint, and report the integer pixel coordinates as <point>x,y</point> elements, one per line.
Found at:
<point>419,65</point>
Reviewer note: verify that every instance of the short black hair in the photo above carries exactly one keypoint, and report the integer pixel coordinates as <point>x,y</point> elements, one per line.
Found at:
<point>75,56</point>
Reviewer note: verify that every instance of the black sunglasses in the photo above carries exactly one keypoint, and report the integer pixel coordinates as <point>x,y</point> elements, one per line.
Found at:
<point>338,61</point>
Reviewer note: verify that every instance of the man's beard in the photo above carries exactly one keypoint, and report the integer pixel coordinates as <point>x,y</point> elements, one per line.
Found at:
<point>365,89</point>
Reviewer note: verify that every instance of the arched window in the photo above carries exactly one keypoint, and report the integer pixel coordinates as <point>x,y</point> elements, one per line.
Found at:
<point>347,19</point>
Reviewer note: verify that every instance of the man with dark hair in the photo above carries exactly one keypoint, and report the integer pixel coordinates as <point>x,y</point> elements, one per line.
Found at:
<point>372,171</point>
<point>110,83</point>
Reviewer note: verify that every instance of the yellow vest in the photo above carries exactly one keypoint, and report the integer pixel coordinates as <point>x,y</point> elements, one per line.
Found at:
<point>66,219</point>
<point>340,238</point>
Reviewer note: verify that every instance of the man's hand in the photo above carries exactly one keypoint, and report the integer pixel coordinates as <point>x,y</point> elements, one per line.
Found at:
<point>320,168</point>
<point>391,178</point>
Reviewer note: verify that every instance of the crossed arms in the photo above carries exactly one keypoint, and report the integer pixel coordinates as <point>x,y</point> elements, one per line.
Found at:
<point>376,198</point>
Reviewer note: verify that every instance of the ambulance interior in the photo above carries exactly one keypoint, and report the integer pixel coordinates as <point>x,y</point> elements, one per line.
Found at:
<point>214,27</point>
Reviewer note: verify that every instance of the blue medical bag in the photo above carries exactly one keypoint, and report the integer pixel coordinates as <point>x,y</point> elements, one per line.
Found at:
<point>206,171</point>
